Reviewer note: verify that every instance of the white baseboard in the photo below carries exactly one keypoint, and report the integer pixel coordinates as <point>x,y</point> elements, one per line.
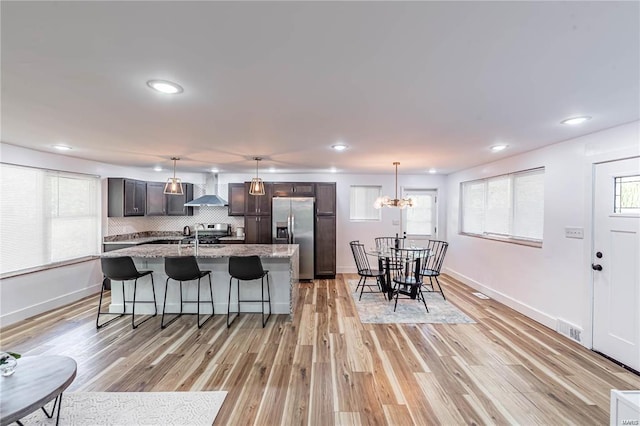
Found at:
<point>42,307</point>
<point>523,308</point>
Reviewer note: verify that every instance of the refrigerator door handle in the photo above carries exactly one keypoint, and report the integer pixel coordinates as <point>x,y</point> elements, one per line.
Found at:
<point>288,229</point>
<point>293,226</point>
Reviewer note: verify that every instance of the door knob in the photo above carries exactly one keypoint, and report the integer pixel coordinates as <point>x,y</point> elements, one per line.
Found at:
<point>596,267</point>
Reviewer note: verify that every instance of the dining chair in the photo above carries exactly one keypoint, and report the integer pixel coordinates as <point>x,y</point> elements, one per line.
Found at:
<point>364,269</point>
<point>407,277</point>
<point>386,244</point>
<point>433,264</point>
<point>123,269</point>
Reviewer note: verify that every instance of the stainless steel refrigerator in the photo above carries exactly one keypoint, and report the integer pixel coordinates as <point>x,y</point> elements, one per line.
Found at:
<point>293,224</point>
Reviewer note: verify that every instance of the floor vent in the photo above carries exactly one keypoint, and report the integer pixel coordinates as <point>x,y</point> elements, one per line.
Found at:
<point>572,331</point>
<point>480,295</point>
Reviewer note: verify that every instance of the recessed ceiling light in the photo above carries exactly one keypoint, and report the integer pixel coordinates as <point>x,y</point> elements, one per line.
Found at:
<point>157,168</point>
<point>333,170</point>
<point>214,170</point>
<point>339,147</point>
<point>164,86</point>
<point>498,148</point>
<point>62,147</point>
<point>432,171</point>
<point>272,169</point>
<point>576,120</point>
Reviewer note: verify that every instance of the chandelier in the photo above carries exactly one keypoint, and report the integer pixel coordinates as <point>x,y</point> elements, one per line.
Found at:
<point>174,184</point>
<point>395,202</point>
<point>257,185</point>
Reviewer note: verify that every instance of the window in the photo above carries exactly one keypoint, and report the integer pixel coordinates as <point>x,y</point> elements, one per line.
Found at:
<point>509,207</point>
<point>362,198</point>
<point>46,217</point>
<point>420,220</point>
<point>627,194</point>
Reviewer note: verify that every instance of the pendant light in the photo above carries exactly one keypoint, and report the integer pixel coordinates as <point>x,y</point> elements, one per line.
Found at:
<point>174,184</point>
<point>257,185</point>
<point>395,202</point>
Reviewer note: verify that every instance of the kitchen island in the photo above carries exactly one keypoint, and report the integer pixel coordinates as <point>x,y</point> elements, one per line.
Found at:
<point>282,261</point>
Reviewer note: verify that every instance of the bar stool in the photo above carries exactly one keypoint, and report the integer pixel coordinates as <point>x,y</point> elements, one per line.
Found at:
<point>123,269</point>
<point>247,268</point>
<point>185,268</point>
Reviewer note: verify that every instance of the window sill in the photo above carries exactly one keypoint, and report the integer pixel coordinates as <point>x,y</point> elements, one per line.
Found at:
<point>47,267</point>
<point>511,240</point>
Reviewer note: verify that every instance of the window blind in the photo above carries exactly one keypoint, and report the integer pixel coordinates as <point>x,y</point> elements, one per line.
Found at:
<point>361,200</point>
<point>46,217</point>
<point>509,206</point>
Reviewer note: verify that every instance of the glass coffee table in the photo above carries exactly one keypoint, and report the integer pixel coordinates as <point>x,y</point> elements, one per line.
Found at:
<point>37,381</point>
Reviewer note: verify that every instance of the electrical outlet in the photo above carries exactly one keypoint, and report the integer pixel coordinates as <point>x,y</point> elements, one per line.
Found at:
<point>574,232</point>
<point>395,222</point>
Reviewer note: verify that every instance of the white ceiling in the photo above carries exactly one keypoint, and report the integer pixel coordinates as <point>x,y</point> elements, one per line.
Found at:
<point>429,84</point>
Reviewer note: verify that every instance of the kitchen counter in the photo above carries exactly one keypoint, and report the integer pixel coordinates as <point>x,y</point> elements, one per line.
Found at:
<point>135,240</point>
<point>208,251</point>
<point>281,260</point>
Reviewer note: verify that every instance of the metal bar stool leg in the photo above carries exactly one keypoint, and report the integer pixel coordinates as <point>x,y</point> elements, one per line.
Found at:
<point>200,324</point>
<point>98,325</point>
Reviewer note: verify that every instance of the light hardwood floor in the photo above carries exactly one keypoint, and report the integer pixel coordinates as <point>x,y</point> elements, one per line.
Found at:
<point>325,367</point>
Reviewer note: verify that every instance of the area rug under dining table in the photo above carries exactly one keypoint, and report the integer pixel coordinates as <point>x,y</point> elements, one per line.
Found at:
<point>375,308</point>
<point>133,408</point>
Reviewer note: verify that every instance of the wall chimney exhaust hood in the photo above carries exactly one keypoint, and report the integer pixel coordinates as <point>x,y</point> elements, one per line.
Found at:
<point>211,184</point>
<point>207,200</point>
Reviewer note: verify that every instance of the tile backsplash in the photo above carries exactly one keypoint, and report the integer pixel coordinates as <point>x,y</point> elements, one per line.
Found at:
<point>127,225</point>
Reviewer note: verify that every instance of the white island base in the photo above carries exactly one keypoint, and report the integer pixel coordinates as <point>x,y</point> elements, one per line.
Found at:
<point>280,260</point>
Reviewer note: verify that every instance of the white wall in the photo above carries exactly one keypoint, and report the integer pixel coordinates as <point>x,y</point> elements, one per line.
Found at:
<point>364,231</point>
<point>552,282</point>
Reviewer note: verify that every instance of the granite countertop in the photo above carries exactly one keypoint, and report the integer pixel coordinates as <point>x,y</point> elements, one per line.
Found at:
<point>144,237</point>
<point>212,251</point>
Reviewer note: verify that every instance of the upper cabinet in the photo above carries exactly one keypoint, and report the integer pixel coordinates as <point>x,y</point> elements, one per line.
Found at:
<point>236,199</point>
<point>161,204</point>
<point>130,197</point>
<point>325,198</point>
<point>293,189</point>
<point>156,203</point>
<point>258,205</point>
<point>175,203</point>
<point>126,197</point>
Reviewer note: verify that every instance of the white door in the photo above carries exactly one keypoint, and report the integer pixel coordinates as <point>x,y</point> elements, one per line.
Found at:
<point>420,221</point>
<point>616,261</point>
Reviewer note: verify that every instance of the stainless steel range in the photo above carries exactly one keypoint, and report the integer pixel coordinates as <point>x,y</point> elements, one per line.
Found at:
<point>209,233</point>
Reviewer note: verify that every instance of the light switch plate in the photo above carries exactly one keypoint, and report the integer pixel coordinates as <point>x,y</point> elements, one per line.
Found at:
<point>574,232</point>
<point>395,222</point>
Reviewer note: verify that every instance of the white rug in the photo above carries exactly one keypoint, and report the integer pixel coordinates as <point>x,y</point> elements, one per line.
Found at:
<point>375,308</point>
<point>133,408</point>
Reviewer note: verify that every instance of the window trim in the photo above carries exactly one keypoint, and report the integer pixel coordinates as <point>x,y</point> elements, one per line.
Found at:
<point>529,242</point>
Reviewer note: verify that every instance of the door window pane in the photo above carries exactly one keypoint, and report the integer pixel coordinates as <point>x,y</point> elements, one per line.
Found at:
<point>627,194</point>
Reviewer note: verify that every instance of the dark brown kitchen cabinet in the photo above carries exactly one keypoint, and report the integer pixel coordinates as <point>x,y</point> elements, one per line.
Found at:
<point>293,189</point>
<point>257,229</point>
<point>156,203</point>
<point>236,199</point>
<point>258,205</point>
<point>126,197</point>
<point>175,203</point>
<point>325,246</point>
<point>325,198</point>
<point>161,204</point>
